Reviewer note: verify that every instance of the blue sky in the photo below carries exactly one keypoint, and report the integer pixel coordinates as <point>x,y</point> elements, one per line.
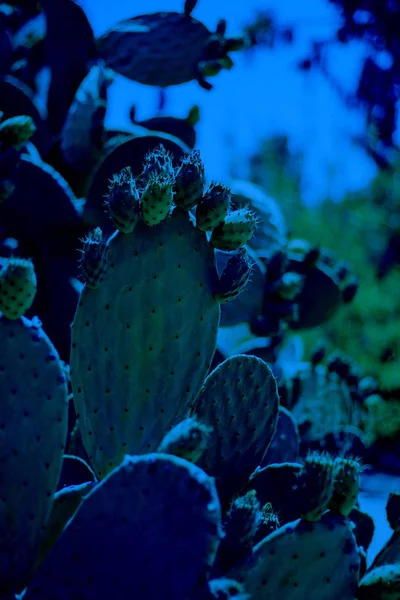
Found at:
<point>263,95</point>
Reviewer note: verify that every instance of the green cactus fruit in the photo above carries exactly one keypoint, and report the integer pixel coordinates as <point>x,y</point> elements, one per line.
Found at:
<point>381,583</point>
<point>304,560</point>
<point>240,526</point>
<point>346,486</point>
<point>393,510</point>
<point>240,401</point>
<point>167,503</point>
<point>33,430</point>
<point>66,503</point>
<point>123,201</point>
<point>156,200</point>
<point>188,440</point>
<point>234,277</point>
<point>189,181</point>
<point>17,287</point>
<point>94,258</point>
<point>316,482</point>
<point>157,162</point>
<point>288,286</point>
<point>16,131</point>
<point>227,589</point>
<point>236,230</point>
<point>213,207</point>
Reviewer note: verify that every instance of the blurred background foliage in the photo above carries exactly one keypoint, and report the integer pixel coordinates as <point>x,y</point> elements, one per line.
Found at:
<point>357,229</point>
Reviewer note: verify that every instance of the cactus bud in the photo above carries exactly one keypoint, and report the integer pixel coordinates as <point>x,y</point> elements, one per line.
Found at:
<point>235,231</point>
<point>349,291</point>
<point>157,199</point>
<point>16,131</point>
<point>234,277</point>
<point>157,162</point>
<point>288,286</point>
<point>213,207</point>
<point>94,258</point>
<point>316,480</point>
<point>17,287</point>
<point>188,440</point>
<point>123,201</point>
<point>189,181</point>
<point>346,485</point>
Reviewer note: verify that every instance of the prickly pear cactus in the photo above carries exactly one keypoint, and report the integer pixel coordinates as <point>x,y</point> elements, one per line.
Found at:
<point>240,401</point>
<point>33,430</point>
<point>143,340</point>
<point>167,48</point>
<point>305,560</point>
<point>154,514</point>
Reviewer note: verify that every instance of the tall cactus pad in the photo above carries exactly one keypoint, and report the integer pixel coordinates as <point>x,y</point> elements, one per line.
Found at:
<point>143,341</point>
<point>150,529</point>
<point>240,401</point>
<point>33,429</point>
<point>304,560</point>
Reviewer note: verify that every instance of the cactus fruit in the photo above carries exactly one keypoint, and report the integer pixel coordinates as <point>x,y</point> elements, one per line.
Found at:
<point>188,440</point>
<point>317,480</point>
<point>143,340</point>
<point>236,230</point>
<point>17,287</point>
<point>123,201</point>
<point>167,503</point>
<point>189,182</point>
<point>33,430</point>
<point>240,401</point>
<point>240,527</point>
<point>305,560</point>
<point>94,258</point>
<point>16,131</point>
<point>130,150</point>
<point>213,207</point>
<point>346,485</point>
<point>167,48</point>
<point>234,277</point>
<point>156,200</point>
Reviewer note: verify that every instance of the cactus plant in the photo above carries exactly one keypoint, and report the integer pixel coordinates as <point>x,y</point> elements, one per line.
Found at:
<point>155,310</point>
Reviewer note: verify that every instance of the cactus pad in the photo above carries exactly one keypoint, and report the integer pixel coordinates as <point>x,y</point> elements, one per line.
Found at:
<point>33,429</point>
<point>155,514</point>
<point>240,401</point>
<point>305,560</point>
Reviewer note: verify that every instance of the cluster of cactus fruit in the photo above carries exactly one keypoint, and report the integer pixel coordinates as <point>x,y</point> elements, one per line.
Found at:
<point>192,463</point>
<point>129,425</point>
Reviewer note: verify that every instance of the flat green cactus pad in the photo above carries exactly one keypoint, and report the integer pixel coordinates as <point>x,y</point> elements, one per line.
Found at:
<point>305,561</point>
